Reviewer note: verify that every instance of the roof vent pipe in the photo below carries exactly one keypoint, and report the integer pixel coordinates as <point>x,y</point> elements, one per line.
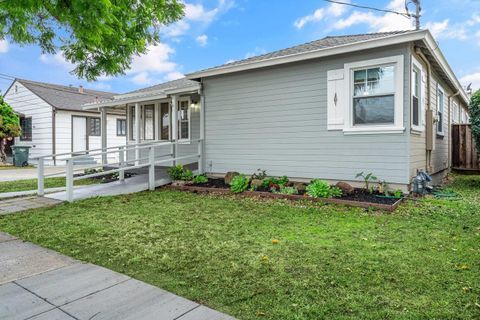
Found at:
<point>80,89</point>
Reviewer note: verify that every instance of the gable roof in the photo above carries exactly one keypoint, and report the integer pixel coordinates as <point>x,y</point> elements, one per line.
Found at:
<point>334,45</point>
<point>64,97</point>
<point>175,84</point>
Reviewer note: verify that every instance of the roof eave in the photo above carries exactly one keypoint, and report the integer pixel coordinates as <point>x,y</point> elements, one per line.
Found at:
<point>362,45</point>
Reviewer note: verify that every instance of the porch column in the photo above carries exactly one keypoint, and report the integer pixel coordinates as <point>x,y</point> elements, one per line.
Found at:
<point>137,131</point>
<point>201,145</point>
<point>174,128</point>
<point>103,131</point>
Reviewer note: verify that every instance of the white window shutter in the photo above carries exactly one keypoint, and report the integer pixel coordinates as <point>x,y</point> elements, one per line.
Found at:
<point>336,98</point>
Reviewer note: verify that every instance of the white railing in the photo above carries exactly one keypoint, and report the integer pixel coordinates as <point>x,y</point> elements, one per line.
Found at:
<point>123,164</point>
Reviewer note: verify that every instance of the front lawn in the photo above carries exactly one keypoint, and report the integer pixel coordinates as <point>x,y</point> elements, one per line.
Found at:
<point>31,184</point>
<point>279,260</point>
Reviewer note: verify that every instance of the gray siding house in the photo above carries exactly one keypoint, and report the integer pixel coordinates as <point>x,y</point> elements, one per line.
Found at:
<point>380,103</point>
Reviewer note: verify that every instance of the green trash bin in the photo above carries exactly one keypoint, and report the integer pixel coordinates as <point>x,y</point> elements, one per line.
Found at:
<point>20,155</point>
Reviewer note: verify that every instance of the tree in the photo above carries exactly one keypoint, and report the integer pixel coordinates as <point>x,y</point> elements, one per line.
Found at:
<point>9,126</point>
<point>99,37</point>
<point>474,111</point>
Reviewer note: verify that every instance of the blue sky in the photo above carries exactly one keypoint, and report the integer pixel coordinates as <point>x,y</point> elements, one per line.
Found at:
<point>216,31</point>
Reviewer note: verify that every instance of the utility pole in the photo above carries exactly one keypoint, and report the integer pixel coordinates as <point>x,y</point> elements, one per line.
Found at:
<point>418,9</point>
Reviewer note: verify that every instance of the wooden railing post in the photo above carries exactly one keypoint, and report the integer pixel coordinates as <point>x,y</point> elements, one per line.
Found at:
<point>121,159</point>
<point>151,168</point>
<point>40,177</point>
<point>69,180</point>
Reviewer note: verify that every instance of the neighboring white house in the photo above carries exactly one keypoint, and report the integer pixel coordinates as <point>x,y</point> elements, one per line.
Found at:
<point>53,121</point>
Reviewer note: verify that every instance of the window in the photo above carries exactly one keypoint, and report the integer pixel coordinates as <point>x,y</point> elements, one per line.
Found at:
<point>148,125</point>
<point>121,127</point>
<point>133,131</point>
<point>455,113</point>
<point>416,96</point>
<point>184,120</point>
<point>440,106</point>
<point>94,126</point>
<point>165,121</point>
<point>26,125</point>
<point>373,96</point>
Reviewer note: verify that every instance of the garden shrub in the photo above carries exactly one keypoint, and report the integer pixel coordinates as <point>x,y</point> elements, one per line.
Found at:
<point>474,110</point>
<point>239,183</point>
<point>287,190</point>
<point>321,189</point>
<point>201,178</point>
<point>178,172</point>
<point>274,183</point>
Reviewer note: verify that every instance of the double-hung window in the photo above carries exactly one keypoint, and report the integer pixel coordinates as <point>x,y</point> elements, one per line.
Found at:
<point>148,122</point>
<point>373,96</point>
<point>26,126</point>
<point>440,108</point>
<point>376,95</point>
<point>416,97</point>
<point>94,127</point>
<point>121,127</point>
<point>184,119</point>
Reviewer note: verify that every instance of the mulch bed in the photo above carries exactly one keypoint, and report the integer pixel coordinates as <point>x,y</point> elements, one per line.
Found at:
<point>359,198</point>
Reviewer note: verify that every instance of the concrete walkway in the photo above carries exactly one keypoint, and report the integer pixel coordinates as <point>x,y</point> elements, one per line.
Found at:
<point>14,205</point>
<point>40,284</point>
<point>31,173</point>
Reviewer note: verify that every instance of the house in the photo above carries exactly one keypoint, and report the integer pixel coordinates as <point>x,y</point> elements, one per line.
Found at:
<point>53,121</point>
<point>380,102</point>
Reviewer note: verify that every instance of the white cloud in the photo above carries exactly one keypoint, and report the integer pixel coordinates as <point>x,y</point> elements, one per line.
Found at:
<point>230,61</point>
<point>4,46</point>
<point>57,59</point>
<point>157,59</point>
<point>378,22</point>
<point>317,15</point>
<point>202,40</point>
<point>255,52</point>
<point>444,30</point>
<point>473,78</point>
<point>332,10</point>
<point>142,78</point>
<point>101,86</point>
<point>197,13</point>
<point>174,76</point>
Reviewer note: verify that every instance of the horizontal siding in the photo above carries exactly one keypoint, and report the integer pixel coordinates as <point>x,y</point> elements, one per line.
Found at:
<point>276,119</point>
<point>26,102</point>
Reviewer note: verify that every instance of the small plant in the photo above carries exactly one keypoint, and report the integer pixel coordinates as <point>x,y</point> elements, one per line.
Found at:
<point>239,183</point>
<point>178,172</point>
<point>398,193</point>
<point>92,171</point>
<point>260,174</point>
<point>274,183</point>
<point>367,179</point>
<point>321,189</point>
<point>201,178</point>
<point>287,190</point>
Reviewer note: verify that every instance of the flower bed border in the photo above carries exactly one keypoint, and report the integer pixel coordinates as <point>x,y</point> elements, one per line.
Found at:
<point>262,194</point>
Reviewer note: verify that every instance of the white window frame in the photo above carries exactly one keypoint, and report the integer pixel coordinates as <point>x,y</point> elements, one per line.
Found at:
<point>397,126</point>
<point>189,112</point>
<point>416,65</point>
<point>440,89</point>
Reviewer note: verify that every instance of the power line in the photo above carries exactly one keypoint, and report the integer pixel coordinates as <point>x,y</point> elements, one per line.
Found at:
<point>404,14</point>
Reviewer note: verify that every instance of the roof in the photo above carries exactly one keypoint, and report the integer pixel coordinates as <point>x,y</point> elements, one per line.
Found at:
<point>175,84</point>
<point>64,97</point>
<point>324,43</point>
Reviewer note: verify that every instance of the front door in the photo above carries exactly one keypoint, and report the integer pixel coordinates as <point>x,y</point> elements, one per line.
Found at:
<point>79,134</point>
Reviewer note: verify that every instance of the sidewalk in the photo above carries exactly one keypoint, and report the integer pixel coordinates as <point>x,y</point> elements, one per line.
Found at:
<point>40,284</point>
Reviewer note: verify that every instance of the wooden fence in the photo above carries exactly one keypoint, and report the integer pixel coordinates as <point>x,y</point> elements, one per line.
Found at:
<point>464,152</point>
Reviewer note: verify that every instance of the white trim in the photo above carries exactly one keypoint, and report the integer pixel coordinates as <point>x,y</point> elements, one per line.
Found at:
<point>397,126</point>
<point>189,114</point>
<point>421,116</point>
<point>440,133</point>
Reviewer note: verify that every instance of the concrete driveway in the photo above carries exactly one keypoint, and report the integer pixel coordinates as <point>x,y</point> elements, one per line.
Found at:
<point>40,284</point>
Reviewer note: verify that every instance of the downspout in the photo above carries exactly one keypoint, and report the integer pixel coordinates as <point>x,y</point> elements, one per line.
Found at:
<point>54,138</point>
<point>419,52</point>
<point>450,97</point>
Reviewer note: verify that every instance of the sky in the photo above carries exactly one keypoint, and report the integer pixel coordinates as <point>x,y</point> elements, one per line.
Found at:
<point>214,32</point>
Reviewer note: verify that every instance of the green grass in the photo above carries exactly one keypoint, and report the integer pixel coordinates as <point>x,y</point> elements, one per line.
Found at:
<point>330,262</point>
<point>31,184</point>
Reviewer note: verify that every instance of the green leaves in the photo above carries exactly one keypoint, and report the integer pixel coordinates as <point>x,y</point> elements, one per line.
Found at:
<point>239,183</point>
<point>474,111</point>
<point>100,37</point>
<point>9,121</point>
<point>321,189</point>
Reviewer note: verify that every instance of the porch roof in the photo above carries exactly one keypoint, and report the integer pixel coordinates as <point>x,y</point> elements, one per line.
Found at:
<point>159,91</point>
